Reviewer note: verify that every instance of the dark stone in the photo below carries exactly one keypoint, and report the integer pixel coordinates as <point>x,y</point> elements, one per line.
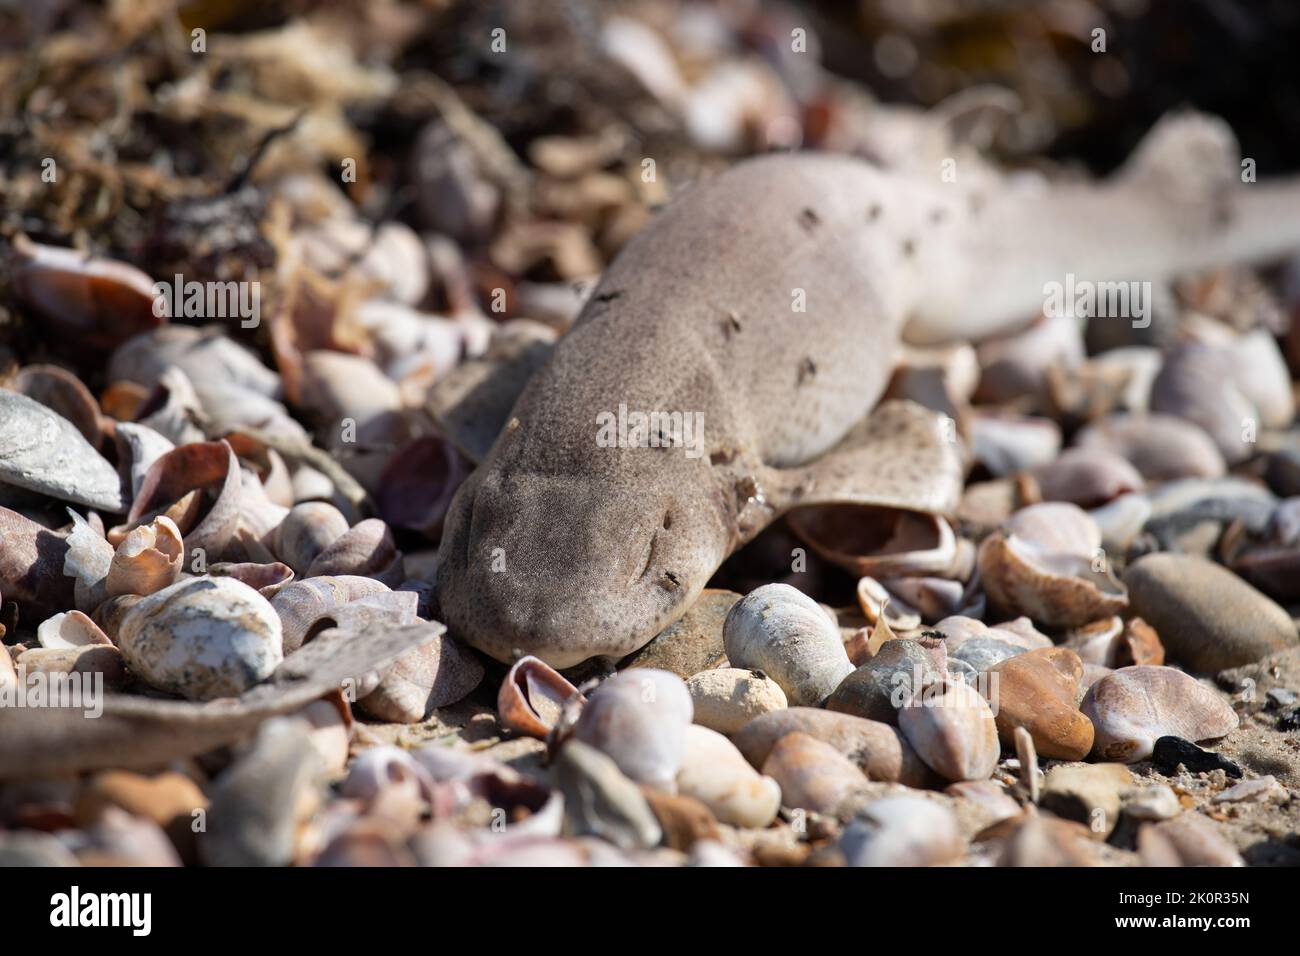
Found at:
<point>1169,752</point>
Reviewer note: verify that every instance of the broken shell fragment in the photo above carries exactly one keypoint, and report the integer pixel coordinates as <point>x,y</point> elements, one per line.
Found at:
<point>31,564</point>
<point>202,638</point>
<point>714,772</point>
<point>878,542</point>
<point>1133,707</point>
<point>1047,564</point>
<point>784,633</point>
<point>727,698</point>
<point>43,452</point>
<point>70,630</point>
<point>437,673</point>
<point>174,486</point>
<point>952,729</point>
<point>148,559</point>
<point>306,608</point>
<point>639,718</point>
<point>532,697</point>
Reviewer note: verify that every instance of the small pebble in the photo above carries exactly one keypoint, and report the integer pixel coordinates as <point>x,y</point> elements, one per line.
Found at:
<point>1152,803</point>
<point>727,698</point>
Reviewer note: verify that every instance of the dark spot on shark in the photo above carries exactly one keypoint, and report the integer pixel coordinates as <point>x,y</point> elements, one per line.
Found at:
<point>809,219</point>
<point>909,247</point>
<point>608,296</point>
<point>807,369</point>
<point>874,211</point>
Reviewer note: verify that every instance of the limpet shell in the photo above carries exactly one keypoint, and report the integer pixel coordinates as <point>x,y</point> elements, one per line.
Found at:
<point>202,638</point>
<point>784,633</point>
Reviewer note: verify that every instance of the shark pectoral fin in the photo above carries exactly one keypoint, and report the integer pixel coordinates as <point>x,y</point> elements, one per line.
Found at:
<point>902,456</point>
<point>472,403</point>
<point>882,491</point>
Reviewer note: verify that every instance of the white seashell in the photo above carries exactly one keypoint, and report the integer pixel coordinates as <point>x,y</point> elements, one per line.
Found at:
<point>639,718</point>
<point>68,631</point>
<point>784,633</point>
<point>714,772</point>
<point>148,559</point>
<point>202,638</point>
<point>1134,706</point>
<point>903,831</point>
<point>727,698</point>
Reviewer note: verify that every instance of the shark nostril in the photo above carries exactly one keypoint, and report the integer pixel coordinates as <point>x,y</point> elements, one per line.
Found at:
<point>668,520</point>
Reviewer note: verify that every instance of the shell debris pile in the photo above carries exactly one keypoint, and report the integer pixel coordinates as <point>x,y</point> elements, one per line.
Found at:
<point>231,368</point>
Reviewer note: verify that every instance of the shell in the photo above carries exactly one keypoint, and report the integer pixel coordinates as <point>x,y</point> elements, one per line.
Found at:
<point>882,685</point>
<point>43,452</point>
<point>785,634</point>
<point>1006,444</point>
<point>1043,564</point>
<point>877,749</point>
<point>148,559</point>
<point>366,549</point>
<point>1087,478</point>
<point>93,302</point>
<point>1196,384</point>
<point>639,718</point>
<point>714,772</point>
<point>202,638</point>
<point>727,698</point>
<point>31,565</point>
<point>813,775</point>
<point>203,356</point>
<point>173,486</point>
<point>70,630</point>
<point>307,530</point>
<point>1037,690</point>
<point>266,579</point>
<point>88,560</point>
<point>418,483</point>
<point>1160,447</point>
<point>1134,706</point>
<point>1018,633</point>
<point>435,674</point>
<point>877,542</point>
<point>141,446</point>
<point>59,390</point>
<point>306,608</point>
<point>532,697</point>
<point>951,728</point>
<point>377,768</point>
<point>903,831</point>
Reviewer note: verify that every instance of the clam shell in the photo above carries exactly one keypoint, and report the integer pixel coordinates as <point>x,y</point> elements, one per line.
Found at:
<point>366,549</point>
<point>727,698</point>
<point>951,728</point>
<point>1134,706</point>
<point>532,697</point>
<point>813,775</point>
<point>714,772</point>
<point>202,638</point>
<point>877,749</point>
<point>785,634</point>
<point>148,559</point>
<point>306,608</point>
<point>903,831</point>
<point>639,718</point>
<point>42,451</point>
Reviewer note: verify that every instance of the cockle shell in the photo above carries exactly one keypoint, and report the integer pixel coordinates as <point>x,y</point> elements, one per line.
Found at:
<point>639,718</point>
<point>1047,564</point>
<point>44,452</point>
<point>903,831</point>
<point>202,638</point>
<point>727,698</point>
<point>714,772</point>
<point>1133,707</point>
<point>877,749</point>
<point>784,633</point>
<point>307,530</point>
<point>533,696</point>
<point>148,559</point>
<point>813,775</point>
<point>951,728</point>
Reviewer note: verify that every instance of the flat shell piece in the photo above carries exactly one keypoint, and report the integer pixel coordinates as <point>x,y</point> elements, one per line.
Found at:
<point>44,452</point>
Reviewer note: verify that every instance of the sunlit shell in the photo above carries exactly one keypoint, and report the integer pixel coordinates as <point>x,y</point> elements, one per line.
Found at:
<point>147,560</point>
